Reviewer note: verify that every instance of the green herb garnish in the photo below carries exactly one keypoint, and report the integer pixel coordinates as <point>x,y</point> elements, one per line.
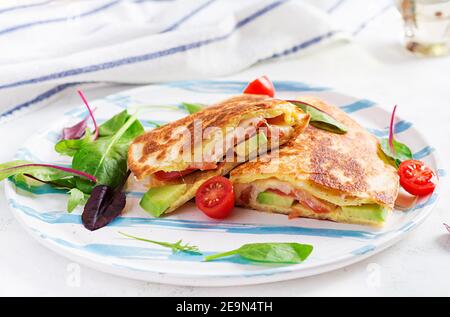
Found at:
<point>76,197</point>
<point>320,119</point>
<point>275,252</point>
<point>176,247</point>
<point>193,107</point>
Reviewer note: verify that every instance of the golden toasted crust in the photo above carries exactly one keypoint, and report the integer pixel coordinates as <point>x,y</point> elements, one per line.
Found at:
<point>340,164</point>
<point>150,151</point>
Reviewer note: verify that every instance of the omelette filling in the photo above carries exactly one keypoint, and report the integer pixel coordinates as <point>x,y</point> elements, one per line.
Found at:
<point>277,196</point>
<point>276,128</point>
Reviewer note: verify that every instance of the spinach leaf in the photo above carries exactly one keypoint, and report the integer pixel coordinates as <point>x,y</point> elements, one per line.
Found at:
<point>112,125</point>
<point>321,119</point>
<point>276,252</point>
<point>70,146</point>
<point>401,150</point>
<point>106,158</point>
<point>76,197</point>
<point>193,107</point>
<point>176,247</point>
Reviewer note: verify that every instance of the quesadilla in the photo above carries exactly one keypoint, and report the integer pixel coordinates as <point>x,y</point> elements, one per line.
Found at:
<point>322,175</point>
<point>175,159</point>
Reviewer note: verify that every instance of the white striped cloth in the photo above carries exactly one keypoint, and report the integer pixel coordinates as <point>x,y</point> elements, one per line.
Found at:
<point>48,47</point>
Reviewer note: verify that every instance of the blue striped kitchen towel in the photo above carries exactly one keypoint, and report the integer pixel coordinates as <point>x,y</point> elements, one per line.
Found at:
<point>48,47</point>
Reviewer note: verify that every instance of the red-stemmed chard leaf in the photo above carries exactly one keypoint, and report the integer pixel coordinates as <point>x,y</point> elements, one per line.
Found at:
<point>39,170</point>
<point>75,132</point>
<point>90,113</point>
<point>391,131</point>
<point>447,227</point>
<point>104,205</point>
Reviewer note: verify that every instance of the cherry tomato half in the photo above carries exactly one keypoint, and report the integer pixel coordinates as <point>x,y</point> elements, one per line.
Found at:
<point>215,197</point>
<point>169,176</point>
<point>417,178</point>
<point>261,86</point>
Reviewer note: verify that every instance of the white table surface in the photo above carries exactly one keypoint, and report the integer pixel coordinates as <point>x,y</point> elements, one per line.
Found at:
<point>374,67</point>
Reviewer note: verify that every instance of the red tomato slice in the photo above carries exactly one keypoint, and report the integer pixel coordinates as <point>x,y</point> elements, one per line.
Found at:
<point>260,86</point>
<point>215,197</point>
<point>169,176</point>
<point>417,178</point>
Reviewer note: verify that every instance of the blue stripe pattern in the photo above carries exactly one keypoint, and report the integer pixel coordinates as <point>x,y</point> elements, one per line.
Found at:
<point>61,217</point>
<point>423,153</point>
<point>148,56</point>
<point>302,45</point>
<point>358,105</point>
<point>39,98</point>
<point>56,20</point>
<point>335,6</point>
<point>188,16</point>
<point>24,6</point>
<point>399,127</point>
<point>366,23</point>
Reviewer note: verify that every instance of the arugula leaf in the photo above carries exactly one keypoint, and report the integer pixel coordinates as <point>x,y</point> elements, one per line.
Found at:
<point>106,158</point>
<point>193,107</point>
<point>70,146</point>
<point>275,252</point>
<point>401,150</point>
<point>321,119</point>
<point>76,197</point>
<point>176,247</point>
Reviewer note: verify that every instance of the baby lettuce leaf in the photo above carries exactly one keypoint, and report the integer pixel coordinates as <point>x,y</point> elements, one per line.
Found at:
<point>176,247</point>
<point>193,107</point>
<point>76,197</point>
<point>112,125</point>
<point>106,158</point>
<point>321,119</point>
<point>70,146</point>
<point>275,252</point>
<point>401,151</point>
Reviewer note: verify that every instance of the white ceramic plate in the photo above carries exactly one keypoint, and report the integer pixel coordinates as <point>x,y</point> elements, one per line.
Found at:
<point>43,211</point>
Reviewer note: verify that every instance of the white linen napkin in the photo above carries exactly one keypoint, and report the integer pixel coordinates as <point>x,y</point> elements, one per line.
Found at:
<point>49,47</point>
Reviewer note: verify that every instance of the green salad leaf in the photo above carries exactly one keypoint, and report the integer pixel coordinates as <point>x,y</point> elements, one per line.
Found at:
<point>70,146</point>
<point>193,107</point>
<point>321,119</point>
<point>401,151</point>
<point>76,197</point>
<point>275,252</point>
<point>106,158</point>
<point>176,247</point>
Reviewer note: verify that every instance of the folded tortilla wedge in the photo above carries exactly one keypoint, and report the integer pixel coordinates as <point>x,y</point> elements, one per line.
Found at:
<point>241,126</point>
<point>322,175</point>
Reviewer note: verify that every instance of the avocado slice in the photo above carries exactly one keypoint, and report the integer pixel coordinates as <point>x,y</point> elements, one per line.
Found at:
<point>369,212</point>
<point>158,199</point>
<point>269,198</point>
<point>251,146</point>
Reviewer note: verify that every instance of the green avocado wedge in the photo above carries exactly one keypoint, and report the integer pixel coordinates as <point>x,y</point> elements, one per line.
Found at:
<point>370,212</point>
<point>158,199</point>
<point>269,198</point>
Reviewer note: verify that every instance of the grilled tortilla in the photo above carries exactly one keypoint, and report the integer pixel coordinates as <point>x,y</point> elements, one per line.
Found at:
<point>322,175</point>
<point>159,149</point>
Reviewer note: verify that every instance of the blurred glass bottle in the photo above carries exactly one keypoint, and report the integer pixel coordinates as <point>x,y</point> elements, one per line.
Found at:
<point>427,26</point>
